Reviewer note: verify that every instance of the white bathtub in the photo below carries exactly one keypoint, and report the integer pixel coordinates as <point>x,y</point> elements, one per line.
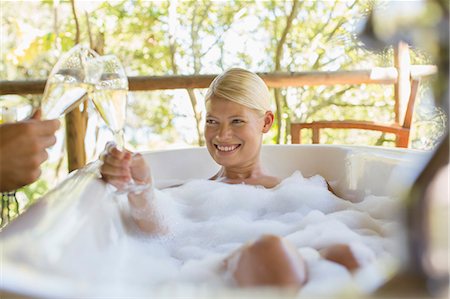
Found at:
<point>352,172</point>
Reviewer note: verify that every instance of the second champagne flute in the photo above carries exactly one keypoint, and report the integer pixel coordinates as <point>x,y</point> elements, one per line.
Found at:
<point>109,93</point>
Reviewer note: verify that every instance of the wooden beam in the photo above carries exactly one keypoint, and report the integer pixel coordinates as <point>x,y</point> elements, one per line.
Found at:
<point>142,83</point>
<point>403,86</point>
<point>22,87</point>
<point>282,79</point>
<point>376,75</point>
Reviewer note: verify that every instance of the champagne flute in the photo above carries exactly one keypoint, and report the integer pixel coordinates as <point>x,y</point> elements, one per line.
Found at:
<point>66,88</point>
<point>109,94</point>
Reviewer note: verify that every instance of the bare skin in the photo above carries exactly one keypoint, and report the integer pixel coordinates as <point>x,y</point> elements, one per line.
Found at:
<point>341,254</point>
<point>23,150</point>
<point>254,178</point>
<point>118,169</point>
<point>233,135</point>
<point>228,126</point>
<point>269,261</point>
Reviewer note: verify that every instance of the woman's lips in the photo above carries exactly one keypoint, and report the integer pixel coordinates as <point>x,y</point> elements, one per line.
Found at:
<point>227,148</point>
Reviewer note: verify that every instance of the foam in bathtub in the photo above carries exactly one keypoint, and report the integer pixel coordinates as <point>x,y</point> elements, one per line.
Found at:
<point>207,221</point>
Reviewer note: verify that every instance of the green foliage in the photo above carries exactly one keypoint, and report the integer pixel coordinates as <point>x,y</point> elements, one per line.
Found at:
<point>10,206</point>
<point>35,190</point>
<point>194,37</point>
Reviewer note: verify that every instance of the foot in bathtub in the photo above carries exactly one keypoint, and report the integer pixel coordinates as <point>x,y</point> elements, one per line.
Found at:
<point>341,254</point>
<point>269,261</point>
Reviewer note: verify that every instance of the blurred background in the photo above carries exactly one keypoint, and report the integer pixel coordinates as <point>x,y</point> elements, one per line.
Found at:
<point>157,38</point>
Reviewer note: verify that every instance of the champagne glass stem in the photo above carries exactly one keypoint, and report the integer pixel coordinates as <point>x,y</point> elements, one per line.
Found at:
<point>132,186</point>
<point>120,140</point>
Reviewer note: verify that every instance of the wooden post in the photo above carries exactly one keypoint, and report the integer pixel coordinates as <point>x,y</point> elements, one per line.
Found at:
<point>76,124</point>
<point>295,134</point>
<point>315,135</point>
<point>76,121</point>
<point>403,86</point>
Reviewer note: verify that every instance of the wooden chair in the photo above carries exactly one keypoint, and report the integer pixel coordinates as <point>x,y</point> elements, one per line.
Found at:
<point>406,89</point>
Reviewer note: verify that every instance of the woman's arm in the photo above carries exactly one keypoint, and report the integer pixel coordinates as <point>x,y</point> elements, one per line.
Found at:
<point>145,213</point>
<point>118,168</point>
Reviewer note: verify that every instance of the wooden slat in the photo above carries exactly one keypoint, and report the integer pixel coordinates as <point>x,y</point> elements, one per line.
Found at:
<point>350,124</point>
<point>386,75</point>
<point>296,137</point>
<point>420,71</point>
<point>410,108</point>
<point>402,134</point>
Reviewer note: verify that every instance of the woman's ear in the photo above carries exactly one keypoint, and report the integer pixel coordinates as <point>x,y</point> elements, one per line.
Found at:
<point>268,121</point>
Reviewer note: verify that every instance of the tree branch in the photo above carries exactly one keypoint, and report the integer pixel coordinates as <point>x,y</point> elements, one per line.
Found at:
<point>323,104</point>
<point>55,26</point>
<point>340,23</point>
<point>281,42</point>
<point>77,24</point>
<point>91,43</point>
<point>278,54</point>
<point>216,41</point>
<point>190,91</point>
<point>329,18</point>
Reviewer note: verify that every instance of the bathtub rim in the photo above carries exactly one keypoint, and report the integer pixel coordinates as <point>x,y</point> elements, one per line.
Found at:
<point>339,157</point>
<point>349,148</point>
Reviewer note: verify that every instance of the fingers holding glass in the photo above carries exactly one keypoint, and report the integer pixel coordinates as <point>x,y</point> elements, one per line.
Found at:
<point>116,167</point>
<point>140,172</point>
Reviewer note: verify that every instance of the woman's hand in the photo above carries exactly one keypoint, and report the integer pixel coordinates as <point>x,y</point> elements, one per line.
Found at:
<point>119,167</point>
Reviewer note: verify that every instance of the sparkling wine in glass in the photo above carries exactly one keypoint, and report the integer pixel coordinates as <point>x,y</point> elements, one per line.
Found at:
<point>109,94</point>
<point>110,99</point>
<point>66,87</point>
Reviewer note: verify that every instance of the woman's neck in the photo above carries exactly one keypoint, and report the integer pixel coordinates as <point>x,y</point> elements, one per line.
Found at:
<point>251,174</point>
<point>239,173</point>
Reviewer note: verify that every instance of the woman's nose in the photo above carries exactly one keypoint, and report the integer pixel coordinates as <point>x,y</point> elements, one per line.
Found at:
<point>223,133</point>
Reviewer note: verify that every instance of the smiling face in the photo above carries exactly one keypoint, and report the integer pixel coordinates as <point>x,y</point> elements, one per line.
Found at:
<point>234,132</point>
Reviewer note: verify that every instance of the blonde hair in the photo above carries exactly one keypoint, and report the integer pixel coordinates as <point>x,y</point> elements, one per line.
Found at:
<point>242,87</point>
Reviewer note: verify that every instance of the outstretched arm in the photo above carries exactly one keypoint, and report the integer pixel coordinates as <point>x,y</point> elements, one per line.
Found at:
<point>118,168</point>
<point>23,150</point>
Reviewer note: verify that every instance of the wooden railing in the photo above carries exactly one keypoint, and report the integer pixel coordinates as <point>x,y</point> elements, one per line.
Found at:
<point>377,75</point>
<point>406,88</point>
<point>76,156</point>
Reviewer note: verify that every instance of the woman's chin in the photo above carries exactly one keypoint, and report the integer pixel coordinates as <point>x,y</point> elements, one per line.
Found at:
<point>225,158</point>
<point>224,161</point>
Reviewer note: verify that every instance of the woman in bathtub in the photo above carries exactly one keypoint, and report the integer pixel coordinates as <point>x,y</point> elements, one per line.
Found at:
<point>238,114</point>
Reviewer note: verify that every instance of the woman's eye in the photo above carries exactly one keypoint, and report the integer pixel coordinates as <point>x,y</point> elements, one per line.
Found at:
<point>237,121</point>
<point>211,121</point>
